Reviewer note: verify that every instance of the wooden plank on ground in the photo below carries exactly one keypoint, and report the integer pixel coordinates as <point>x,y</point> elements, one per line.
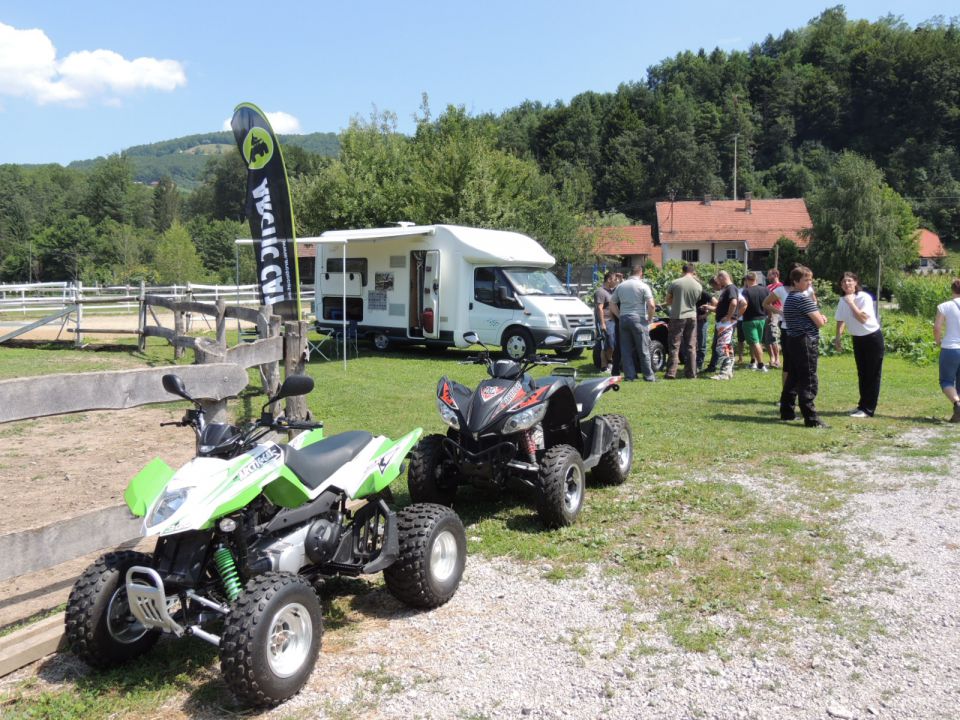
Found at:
<point>42,395</point>
<point>31,550</point>
<point>31,643</point>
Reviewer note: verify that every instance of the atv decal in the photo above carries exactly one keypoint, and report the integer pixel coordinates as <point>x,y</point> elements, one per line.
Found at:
<point>488,393</point>
<point>516,392</point>
<point>267,456</point>
<point>531,399</point>
<point>446,396</point>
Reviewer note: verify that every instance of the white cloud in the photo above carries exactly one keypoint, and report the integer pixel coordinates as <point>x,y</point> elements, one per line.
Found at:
<point>281,122</point>
<point>29,68</point>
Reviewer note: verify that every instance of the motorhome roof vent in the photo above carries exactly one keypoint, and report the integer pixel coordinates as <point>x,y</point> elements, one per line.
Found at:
<point>405,223</point>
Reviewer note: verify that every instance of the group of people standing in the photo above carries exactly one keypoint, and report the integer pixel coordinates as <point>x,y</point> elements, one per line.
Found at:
<point>783,319</point>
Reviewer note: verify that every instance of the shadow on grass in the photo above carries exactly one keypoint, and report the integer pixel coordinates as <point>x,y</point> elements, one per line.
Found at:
<point>767,418</point>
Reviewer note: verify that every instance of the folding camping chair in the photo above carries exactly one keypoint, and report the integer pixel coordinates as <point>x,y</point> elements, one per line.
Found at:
<point>348,341</point>
<point>320,346</point>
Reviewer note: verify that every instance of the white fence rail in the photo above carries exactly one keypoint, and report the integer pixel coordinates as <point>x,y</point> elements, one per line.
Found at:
<point>26,299</point>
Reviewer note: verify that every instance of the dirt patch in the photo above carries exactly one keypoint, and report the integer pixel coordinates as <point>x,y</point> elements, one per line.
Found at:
<point>63,466</point>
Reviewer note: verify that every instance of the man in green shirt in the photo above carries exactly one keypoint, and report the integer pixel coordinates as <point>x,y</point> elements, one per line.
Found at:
<point>682,296</point>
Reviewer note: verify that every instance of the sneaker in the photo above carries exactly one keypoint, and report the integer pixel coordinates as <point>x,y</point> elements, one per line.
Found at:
<point>955,418</point>
<point>816,424</point>
<point>858,413</point>
<point>762,368</point>
<point>753,366</point>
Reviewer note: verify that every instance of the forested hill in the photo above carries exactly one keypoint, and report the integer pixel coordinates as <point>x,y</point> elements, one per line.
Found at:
<point>183,159</point>
<point>859,118</point>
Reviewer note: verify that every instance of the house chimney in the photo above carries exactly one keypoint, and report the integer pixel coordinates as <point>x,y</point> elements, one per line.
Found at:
<point>707,199</point>
<point>748,201</point>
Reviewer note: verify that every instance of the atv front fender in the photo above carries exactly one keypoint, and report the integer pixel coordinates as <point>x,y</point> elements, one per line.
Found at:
<point>146,485</point>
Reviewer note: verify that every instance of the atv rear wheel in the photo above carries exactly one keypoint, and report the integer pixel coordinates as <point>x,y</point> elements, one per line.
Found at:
<point>433,551</point>
<point>614,465</point>
<point>425,475</point>
<point>271,638</point>
<point>658,356</point>
<point>561,486</point>
<point>100,628</point>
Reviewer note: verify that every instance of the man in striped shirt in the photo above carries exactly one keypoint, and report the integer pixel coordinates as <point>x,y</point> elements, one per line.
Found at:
<point>803,321</point>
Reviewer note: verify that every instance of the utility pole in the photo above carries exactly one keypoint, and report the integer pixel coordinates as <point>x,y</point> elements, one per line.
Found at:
<point>735,138</point>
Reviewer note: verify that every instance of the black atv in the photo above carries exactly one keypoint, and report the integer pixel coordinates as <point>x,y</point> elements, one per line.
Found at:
<point>517,431</point>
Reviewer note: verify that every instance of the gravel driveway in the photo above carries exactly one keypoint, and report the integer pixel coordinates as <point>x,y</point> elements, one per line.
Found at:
<point>512,645</point>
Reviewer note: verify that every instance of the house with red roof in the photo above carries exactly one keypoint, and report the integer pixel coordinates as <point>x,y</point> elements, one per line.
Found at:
<point>629,245</point>
<point>931,250</point>
<point>718,230</point>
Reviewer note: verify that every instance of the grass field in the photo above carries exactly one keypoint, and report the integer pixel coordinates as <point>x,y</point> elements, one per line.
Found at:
<point>719,560</point>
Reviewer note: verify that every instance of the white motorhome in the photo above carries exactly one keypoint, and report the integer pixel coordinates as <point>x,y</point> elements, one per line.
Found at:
<point>429,284</point>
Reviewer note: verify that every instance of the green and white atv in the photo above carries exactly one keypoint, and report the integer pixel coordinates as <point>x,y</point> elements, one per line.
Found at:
<point>243,530</point>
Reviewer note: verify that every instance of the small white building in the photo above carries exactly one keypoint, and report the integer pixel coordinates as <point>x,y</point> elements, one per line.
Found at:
<point>714,231</point>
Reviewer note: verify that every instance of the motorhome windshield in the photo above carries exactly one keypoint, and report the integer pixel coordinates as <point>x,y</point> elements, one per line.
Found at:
<point>534,281</point>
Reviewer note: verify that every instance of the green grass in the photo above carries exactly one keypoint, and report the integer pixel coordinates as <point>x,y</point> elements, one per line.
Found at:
<point>719,562</point>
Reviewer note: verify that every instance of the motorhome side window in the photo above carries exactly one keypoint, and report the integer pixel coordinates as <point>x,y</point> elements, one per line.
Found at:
<point>354,265</point>
<point>487,284</point>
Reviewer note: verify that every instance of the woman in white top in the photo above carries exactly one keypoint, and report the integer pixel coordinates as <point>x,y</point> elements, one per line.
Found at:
<point>946,331</point>
<point>855,313</point>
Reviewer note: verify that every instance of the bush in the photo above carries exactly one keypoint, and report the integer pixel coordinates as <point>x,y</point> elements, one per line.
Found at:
<point>920,294</point>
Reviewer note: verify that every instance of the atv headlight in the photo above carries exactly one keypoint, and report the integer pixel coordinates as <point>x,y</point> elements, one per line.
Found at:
<point>526,419</point>
<point>448,415</point>
<point>169,504</point>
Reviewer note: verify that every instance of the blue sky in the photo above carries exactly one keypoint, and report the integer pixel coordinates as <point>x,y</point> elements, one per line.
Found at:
<point>89,79</point>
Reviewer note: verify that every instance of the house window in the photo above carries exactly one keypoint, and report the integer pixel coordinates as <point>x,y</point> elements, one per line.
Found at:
<point>732,255</point>
<point>690,255</point>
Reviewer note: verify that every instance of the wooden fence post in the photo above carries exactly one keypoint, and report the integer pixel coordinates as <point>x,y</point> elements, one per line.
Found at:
<point>142,320</point>
<point>178,332</point>
<point>294,360</point>
<point>207,352</point>
<point>188,325</point>
<point>77,297</point>
<point>222,324</point>
<point>268,325</point>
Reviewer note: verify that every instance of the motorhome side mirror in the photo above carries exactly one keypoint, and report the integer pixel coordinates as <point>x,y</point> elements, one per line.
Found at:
<point>552,340</point>
<point>173,384</point>
<point>505,295</point>
<point>293,386</point>
<point>471,337</point>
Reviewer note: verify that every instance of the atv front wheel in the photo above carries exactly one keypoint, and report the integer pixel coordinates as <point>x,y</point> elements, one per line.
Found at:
<point>425,476</point>
<point>100,628</point>
<point>271,638</point>
<point>433,551</point>
<point>561,486</point>
<point>614,465</point>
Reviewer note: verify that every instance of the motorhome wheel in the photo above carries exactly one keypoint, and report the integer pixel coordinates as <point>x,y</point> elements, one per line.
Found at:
<point>518,343</point>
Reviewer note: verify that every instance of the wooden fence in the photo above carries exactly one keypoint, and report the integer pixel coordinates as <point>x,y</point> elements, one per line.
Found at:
<point>219,372</point>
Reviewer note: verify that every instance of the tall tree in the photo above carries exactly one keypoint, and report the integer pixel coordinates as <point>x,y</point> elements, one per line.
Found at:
<point>166,204</point>
<point>858,222</point>
<point>176,260</point>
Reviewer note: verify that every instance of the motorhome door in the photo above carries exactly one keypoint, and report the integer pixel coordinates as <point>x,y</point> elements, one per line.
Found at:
<point>425,291</point>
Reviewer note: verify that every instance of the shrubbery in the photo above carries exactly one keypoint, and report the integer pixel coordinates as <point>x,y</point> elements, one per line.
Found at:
<point>920,294</point>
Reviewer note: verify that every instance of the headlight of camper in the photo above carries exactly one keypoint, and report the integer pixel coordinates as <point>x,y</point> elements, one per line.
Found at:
<point>526,419</point>
<point>169,504</point>
<point>448,415</point>
<point>553,320</point>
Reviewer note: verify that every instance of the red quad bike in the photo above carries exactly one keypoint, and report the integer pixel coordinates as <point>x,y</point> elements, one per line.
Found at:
<point>521,432</point>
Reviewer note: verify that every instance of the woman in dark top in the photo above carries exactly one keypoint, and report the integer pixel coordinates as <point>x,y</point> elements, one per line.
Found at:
<point>802,342</point>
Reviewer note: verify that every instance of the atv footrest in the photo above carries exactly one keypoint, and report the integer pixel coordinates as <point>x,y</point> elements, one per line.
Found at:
<point>148,600</point>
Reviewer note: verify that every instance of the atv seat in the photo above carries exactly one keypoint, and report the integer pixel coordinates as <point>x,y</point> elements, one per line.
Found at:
<point>315,463</point>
